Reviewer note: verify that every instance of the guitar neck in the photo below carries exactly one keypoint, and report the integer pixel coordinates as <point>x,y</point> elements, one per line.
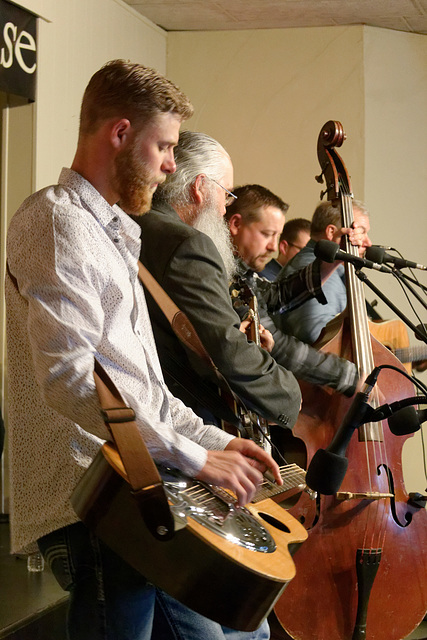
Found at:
<point>293,478</point>
<point>412,354</point>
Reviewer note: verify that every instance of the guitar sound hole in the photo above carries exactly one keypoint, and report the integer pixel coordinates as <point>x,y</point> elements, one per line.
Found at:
<point>273,521</point>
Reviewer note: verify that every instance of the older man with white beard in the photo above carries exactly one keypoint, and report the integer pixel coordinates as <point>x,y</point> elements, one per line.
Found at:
<point>186,246</point>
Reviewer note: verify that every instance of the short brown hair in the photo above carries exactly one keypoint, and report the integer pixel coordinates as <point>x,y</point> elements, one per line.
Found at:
<point>250,199</point>
<point>324,215</point>
<point>292,229</point>
<point>129,90</point>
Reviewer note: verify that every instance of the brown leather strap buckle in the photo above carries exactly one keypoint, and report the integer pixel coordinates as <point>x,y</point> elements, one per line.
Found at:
<point>117,415</point>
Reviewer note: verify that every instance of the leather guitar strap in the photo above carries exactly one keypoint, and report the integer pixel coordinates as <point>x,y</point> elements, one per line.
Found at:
<point>185,331</point>
<point>142,473</point>
<point>179,322</point>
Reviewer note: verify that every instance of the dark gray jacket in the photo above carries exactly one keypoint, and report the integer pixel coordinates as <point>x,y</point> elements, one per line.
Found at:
<point>186,263</point>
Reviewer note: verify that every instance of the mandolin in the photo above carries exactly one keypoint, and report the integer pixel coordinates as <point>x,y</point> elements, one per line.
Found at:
<point>245,304</point>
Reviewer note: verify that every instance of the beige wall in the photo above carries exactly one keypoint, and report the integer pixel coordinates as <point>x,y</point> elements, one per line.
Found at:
<point>396,143</point>
<point>265,96</point>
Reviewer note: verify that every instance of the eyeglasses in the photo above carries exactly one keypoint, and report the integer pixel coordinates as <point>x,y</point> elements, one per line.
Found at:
<point>291,244</point>
<point>231,196</point>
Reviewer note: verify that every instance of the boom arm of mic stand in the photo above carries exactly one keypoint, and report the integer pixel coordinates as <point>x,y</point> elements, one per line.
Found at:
<point>364,278</point>
<point>404,276</point>
<point>404,281</point>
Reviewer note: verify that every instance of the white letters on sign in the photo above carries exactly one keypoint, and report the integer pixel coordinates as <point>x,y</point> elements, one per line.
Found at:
<point>14,44</point>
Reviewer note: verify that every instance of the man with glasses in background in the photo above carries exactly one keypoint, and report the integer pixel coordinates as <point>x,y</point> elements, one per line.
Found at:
<point>294,237</point>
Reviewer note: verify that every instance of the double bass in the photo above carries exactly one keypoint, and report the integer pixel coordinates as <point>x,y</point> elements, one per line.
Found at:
<point>362,573</point>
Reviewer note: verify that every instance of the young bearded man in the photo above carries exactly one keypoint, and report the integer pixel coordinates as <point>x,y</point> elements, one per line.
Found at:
<point>73,296</point>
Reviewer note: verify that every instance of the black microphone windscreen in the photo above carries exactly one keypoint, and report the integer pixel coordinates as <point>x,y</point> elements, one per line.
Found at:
<point>375,254</point>
<point>326,472</point>
<point>422,328</point>
<point>326,250</point>
<point>404,421</point>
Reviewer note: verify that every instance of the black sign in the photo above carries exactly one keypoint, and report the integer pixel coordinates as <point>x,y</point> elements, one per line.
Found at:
<point>18,51</point>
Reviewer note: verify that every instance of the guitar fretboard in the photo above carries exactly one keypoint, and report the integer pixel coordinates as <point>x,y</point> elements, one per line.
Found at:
<point>411,354</point>
<point>293,477</point>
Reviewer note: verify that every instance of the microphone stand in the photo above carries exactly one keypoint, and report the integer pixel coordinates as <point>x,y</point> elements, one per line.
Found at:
<point>364,278</point>
<point>407,278</point>
<point>403,279</point>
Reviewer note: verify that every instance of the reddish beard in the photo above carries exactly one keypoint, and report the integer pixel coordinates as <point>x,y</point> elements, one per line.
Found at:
<point>133,183</point>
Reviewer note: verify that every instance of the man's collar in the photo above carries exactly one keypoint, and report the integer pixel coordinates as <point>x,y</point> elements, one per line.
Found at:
<point>96,203</point>
<point>164,208</point>
<point>241,267</point>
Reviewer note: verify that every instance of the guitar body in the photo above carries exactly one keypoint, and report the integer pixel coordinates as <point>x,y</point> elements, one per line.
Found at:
<point>224,581</point>
<point>394,335</point>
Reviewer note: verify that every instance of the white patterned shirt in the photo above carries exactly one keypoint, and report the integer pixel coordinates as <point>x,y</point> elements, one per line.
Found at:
<point>74,258</point>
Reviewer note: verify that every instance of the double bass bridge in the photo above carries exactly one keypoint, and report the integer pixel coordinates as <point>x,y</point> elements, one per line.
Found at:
<point>362,495</point>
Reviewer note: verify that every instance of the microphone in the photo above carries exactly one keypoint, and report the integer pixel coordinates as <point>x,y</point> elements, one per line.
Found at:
<point>329,252</point>
<point>328,466</point>
<point>377,254</point>
<point>423,329</point>
<point>407,420</point>
<point>386,410</point>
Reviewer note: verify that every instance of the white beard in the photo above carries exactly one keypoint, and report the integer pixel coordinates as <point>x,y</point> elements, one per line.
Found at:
<point>214,226</point>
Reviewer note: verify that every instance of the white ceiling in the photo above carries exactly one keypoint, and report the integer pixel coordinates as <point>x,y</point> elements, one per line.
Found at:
<point>220,15</point>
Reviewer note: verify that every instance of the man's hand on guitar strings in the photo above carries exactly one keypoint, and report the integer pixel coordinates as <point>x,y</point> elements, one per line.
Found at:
<point>265,336</point>
<point>256,456</point>
<point>240,468</point>
<point>266,339</point>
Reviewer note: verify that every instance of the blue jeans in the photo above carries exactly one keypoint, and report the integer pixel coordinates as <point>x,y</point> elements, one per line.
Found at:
<point>109,600</point>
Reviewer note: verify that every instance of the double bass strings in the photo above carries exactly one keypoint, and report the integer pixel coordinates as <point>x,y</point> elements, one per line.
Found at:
<point>371,434</point>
